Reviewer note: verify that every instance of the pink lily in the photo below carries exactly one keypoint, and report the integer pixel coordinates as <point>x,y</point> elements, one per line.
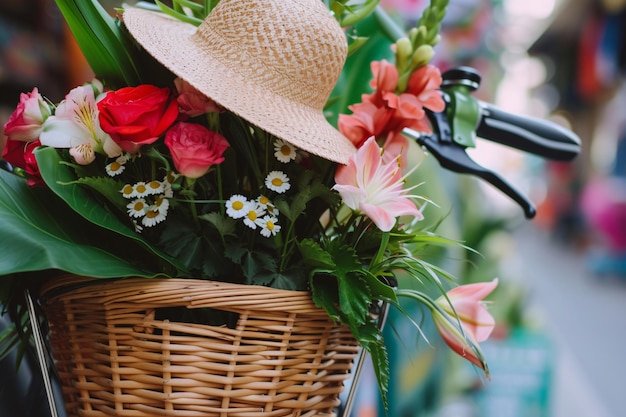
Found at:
<point>376,188</point>
<point>463,321</point>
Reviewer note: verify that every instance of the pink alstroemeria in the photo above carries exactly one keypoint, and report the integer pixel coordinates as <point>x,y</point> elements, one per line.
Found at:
<point>75,124</point>
<point>476,323</point>
<point>375,188</point>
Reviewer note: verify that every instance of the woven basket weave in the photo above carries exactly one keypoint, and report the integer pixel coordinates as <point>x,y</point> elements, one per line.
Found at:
<point>117,356</point>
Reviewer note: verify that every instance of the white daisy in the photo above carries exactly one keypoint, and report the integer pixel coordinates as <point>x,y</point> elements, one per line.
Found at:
<point>128,191</point>
<point>269,226</point>
<point>153,217</point>
<point>161,204</point>
<point>253,214</point>
<point>272,210</point>
<point>284,152</point>
<point>155,187</point>
<point>236,206</point>
<point>140,189</point>
<point>171,177</point>
<point>137,208</point>
<point>263,201</point>
<point>138,228</point>
<point>117,167</point>
<point>114,168</point>
<point>277,181</point>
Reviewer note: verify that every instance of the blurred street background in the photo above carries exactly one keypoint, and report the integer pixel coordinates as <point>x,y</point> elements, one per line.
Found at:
<point>561,303</point>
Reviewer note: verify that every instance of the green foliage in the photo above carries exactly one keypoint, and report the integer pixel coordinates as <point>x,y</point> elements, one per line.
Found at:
<point>39,233</point>
<point>61,179</point>
<point>105,45</point>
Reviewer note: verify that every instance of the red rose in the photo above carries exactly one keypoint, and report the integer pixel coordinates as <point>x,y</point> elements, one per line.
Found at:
<point>136,116</point>
<point>20,155</point>
<point>195,148</point>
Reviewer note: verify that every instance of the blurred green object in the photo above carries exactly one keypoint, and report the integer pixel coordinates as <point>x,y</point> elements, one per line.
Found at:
<point>522,368</point>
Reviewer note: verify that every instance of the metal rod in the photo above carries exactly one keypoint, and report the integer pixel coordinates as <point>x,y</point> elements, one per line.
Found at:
<point>41,353</point>
<point>347,409</point>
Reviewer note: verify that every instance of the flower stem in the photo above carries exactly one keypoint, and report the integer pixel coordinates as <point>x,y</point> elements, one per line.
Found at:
<point>384,241</point>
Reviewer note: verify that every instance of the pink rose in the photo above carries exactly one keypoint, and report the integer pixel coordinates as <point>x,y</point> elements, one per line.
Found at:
<point>136,116</point>
<point>26,121</point>
<point>195,148</point>
<point>192,102</point>
<point>20,155</point>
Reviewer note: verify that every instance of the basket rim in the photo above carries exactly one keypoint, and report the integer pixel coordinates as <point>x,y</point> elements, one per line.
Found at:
<point>194,293</point>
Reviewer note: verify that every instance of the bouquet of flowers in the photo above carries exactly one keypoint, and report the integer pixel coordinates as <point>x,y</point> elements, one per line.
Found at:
<point>203,150</point>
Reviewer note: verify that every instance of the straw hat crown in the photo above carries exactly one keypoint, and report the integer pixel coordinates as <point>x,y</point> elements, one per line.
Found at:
<point>272,62</point>
<point>291,48</point>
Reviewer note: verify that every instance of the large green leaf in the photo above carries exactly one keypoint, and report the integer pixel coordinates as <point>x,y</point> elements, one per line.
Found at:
<point>107,48</point>
<point>40,233</point>
<point>63,182</point>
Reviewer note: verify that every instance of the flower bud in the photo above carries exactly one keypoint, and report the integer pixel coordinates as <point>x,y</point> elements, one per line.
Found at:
<point>403,53</point>
<point>422,56</point>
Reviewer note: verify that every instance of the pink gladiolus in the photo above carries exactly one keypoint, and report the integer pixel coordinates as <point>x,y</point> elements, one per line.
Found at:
<point>424,84</point>
<point>476,323</point>
<point>375,188</point>
<point>195,148</point>
<point>26,121</point>
<point>385,80</point>
<point>366,120</point>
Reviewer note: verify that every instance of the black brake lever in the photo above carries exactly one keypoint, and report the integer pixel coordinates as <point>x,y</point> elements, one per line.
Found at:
<point>453,157</point>
<point>471,117</point>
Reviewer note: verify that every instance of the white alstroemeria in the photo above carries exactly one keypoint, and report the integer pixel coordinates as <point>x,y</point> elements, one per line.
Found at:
<point>83,154</point>
<point>75,122</point>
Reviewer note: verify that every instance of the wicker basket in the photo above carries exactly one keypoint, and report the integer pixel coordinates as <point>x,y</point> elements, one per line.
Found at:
<point>118,354</point>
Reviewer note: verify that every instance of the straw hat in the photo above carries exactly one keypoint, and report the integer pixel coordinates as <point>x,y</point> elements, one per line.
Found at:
<point>272,62</point>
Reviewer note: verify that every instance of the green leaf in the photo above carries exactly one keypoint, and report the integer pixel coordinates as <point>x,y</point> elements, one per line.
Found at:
<point>378,289</point>
<point>107,187</point>
<point>258,268</point>
<point>62,181</point>
<point>40,233</point>
<point>106,47</point>
<point>224,225</point>
<point>324,295</point>
<point>180,16</point>
<point>315,256</point>
<point>371,338</point>
<point>354,298</point>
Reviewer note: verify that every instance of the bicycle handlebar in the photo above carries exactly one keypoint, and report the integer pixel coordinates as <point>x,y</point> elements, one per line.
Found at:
<point>465,118</point>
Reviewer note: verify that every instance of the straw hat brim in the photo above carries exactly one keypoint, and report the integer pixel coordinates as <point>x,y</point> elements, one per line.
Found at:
<point>171,42</point>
